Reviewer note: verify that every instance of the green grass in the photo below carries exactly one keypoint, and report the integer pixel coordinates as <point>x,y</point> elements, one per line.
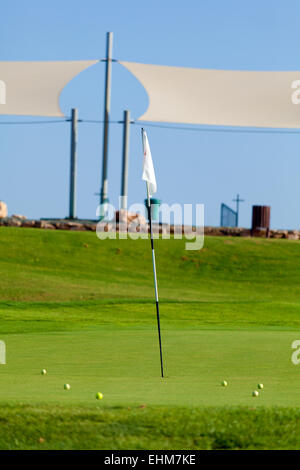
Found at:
<point>64,427</point>
<point>83,309</point>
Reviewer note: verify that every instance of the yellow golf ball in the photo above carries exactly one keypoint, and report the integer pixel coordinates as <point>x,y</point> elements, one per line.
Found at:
<point>99,396</point>
<point>224,383</point>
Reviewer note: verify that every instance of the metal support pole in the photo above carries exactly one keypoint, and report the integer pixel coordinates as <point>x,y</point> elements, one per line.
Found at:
<point>72,207</point>
<point>124,182</point>
<point>109,44</point>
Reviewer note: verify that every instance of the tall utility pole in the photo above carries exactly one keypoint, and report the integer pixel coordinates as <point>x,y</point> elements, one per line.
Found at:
<point>238,200</point>
<point>72,202</point>
<point>109,46</point>
<point>124,182</point>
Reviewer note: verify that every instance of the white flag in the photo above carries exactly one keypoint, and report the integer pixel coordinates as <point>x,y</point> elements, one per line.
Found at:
<point>148,168</point>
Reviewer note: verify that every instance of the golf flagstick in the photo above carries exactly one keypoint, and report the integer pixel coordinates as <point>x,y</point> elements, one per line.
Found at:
<point>149,177</point>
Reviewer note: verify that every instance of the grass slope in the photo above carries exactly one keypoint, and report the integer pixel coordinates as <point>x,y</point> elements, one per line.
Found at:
<point>83,309</point>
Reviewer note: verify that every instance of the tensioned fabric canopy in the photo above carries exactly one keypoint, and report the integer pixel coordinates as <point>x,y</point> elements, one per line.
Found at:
<point>219,97</point>
<point>33,88</point>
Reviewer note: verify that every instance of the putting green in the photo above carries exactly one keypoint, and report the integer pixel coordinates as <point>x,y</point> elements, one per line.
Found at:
<point>123,364</point>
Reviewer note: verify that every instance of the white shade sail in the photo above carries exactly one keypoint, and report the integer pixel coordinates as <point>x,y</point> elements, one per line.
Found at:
<point>219,97</point>
<point>33,88</point>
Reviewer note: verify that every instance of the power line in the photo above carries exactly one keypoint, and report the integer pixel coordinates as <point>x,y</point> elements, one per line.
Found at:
<point>32,122</point>
<point>94,121</point>
<point>211,129</point>
<point>57,121</point>
<point>236,130</point>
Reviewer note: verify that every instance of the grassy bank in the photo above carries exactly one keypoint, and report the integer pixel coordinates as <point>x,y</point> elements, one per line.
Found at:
<point>41,427</point>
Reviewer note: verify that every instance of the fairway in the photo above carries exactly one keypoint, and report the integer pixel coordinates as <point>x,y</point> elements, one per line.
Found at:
<point>83,309</point>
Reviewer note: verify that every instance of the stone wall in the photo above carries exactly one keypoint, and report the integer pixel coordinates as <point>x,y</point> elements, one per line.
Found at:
<point>64,224</point>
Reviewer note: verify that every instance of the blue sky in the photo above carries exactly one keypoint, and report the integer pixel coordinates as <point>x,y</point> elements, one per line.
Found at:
<point>191,166</point>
